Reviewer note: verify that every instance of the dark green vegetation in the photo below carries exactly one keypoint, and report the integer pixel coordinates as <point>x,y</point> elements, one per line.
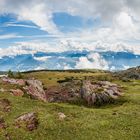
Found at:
<point>117,121</point>
<point>17,75</point>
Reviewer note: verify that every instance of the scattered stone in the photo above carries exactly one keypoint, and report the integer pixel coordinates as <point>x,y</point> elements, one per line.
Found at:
<point>61,115</point>
<point>17,92</point>
<point>2,90</point>
<point>28,121</point>
<point>100,92</point>
<point>35,89</point>
<point>5,105</point>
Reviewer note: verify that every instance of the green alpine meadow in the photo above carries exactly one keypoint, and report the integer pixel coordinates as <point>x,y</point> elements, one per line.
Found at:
<point>64,115</point>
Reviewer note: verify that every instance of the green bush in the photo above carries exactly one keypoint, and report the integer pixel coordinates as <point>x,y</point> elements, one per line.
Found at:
<point>10,74</point>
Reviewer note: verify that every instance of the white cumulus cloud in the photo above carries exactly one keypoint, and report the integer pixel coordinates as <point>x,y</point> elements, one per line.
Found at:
<point>94,60</point>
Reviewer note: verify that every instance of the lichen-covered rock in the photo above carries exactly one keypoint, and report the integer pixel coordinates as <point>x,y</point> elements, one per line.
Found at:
<point>28,121</point>
<point>5,105</point>
<point>17,92</point>
<point>35,89</point>
<point>99,92</point>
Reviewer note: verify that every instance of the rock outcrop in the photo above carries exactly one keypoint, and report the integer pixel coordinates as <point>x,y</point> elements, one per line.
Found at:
<point>131,73</point>
<point>19,82</point>
<point>35,89</point>
<point>56,94</point>
<point>62,93</point>
<point>100,92</point>
<point>93,93</point>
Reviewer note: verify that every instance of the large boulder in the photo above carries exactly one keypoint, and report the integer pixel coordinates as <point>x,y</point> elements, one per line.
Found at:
<point>35,89</point>
<point>32,87</point>
<point>28,121</point>
<point>100,92</point>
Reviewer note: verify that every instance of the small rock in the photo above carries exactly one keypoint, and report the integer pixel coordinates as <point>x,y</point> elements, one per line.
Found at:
<point>17,92</point>
<point>2,90</point>
<point>61,115</point>
<point>28,121</point>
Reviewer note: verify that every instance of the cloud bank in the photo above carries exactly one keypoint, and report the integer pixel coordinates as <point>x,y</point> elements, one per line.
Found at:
<point>40,12</point>
<point>66,45</point>
<point>118,28</point>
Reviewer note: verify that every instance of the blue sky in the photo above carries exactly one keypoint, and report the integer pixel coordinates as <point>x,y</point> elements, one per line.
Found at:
<point>64,21</point>
<point>28,31</point>
<point>27,27</point>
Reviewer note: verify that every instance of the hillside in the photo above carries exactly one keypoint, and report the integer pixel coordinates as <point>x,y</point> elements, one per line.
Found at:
<point>70,120</point>
<point>131,73</point>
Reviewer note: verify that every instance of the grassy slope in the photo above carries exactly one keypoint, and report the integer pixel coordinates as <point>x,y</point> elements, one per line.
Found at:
<point>50,78</point>
<point>81,123</point>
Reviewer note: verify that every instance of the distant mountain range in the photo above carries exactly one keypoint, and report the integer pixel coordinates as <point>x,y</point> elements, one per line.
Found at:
<point>68,60</point>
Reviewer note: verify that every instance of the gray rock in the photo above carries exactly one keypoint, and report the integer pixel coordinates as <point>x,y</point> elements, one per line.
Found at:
<point>100,92</point>
<point>17,92</point>
<point>61,116</point>
<point>35,89</point>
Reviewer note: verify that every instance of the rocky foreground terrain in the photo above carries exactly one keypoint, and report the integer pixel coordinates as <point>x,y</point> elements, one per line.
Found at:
<point>93,93</point>
<point>69,105</point>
